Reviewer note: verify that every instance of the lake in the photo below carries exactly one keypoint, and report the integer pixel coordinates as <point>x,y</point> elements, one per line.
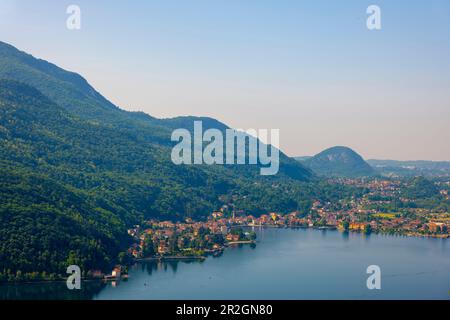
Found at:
<point>284,264</point>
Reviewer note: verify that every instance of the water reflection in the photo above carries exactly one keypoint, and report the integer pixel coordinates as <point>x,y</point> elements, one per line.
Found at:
<point>50,291</point>
<point>153,266</point>
<point>345,236</point>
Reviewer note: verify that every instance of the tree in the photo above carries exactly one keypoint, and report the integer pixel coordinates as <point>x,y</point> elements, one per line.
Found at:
<point>345,225</point>
<point>149,248</point>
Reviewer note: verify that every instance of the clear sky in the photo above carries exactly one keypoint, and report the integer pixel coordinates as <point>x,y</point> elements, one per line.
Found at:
<point>309,68</point>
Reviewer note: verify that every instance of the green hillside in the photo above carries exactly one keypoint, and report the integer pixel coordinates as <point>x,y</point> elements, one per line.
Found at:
<point>339,162</point>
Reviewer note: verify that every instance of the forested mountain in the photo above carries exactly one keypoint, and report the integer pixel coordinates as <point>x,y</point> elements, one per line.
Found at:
<point>421,188</point>
<point>338,162</point>
<point>77,171</point>
<point>45,223</point>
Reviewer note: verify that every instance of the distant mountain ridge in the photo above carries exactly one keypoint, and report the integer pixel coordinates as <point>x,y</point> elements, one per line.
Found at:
<point>411,168</point>
<point>344,162</point>
<point>338,161</point>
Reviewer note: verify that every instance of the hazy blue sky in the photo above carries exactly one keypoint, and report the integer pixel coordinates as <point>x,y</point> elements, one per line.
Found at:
<point>310,68</point>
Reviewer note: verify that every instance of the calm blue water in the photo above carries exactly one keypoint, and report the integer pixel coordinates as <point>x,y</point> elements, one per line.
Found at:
<point>286,264</point>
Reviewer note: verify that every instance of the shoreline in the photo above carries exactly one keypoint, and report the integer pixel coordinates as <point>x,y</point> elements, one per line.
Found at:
<point>202,258</point>
<point>241,242</point>
<point>333,228</point>
<point>170,258</point>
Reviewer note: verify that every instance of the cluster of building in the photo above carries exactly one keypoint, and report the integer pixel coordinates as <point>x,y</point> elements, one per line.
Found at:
<point>189,239</point>
<point>360,214</point>
<point>357,214</point>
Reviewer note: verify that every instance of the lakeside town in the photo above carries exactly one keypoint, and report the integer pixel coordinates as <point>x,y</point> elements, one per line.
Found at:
<point>381,209</point>
<point>189,240</point>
